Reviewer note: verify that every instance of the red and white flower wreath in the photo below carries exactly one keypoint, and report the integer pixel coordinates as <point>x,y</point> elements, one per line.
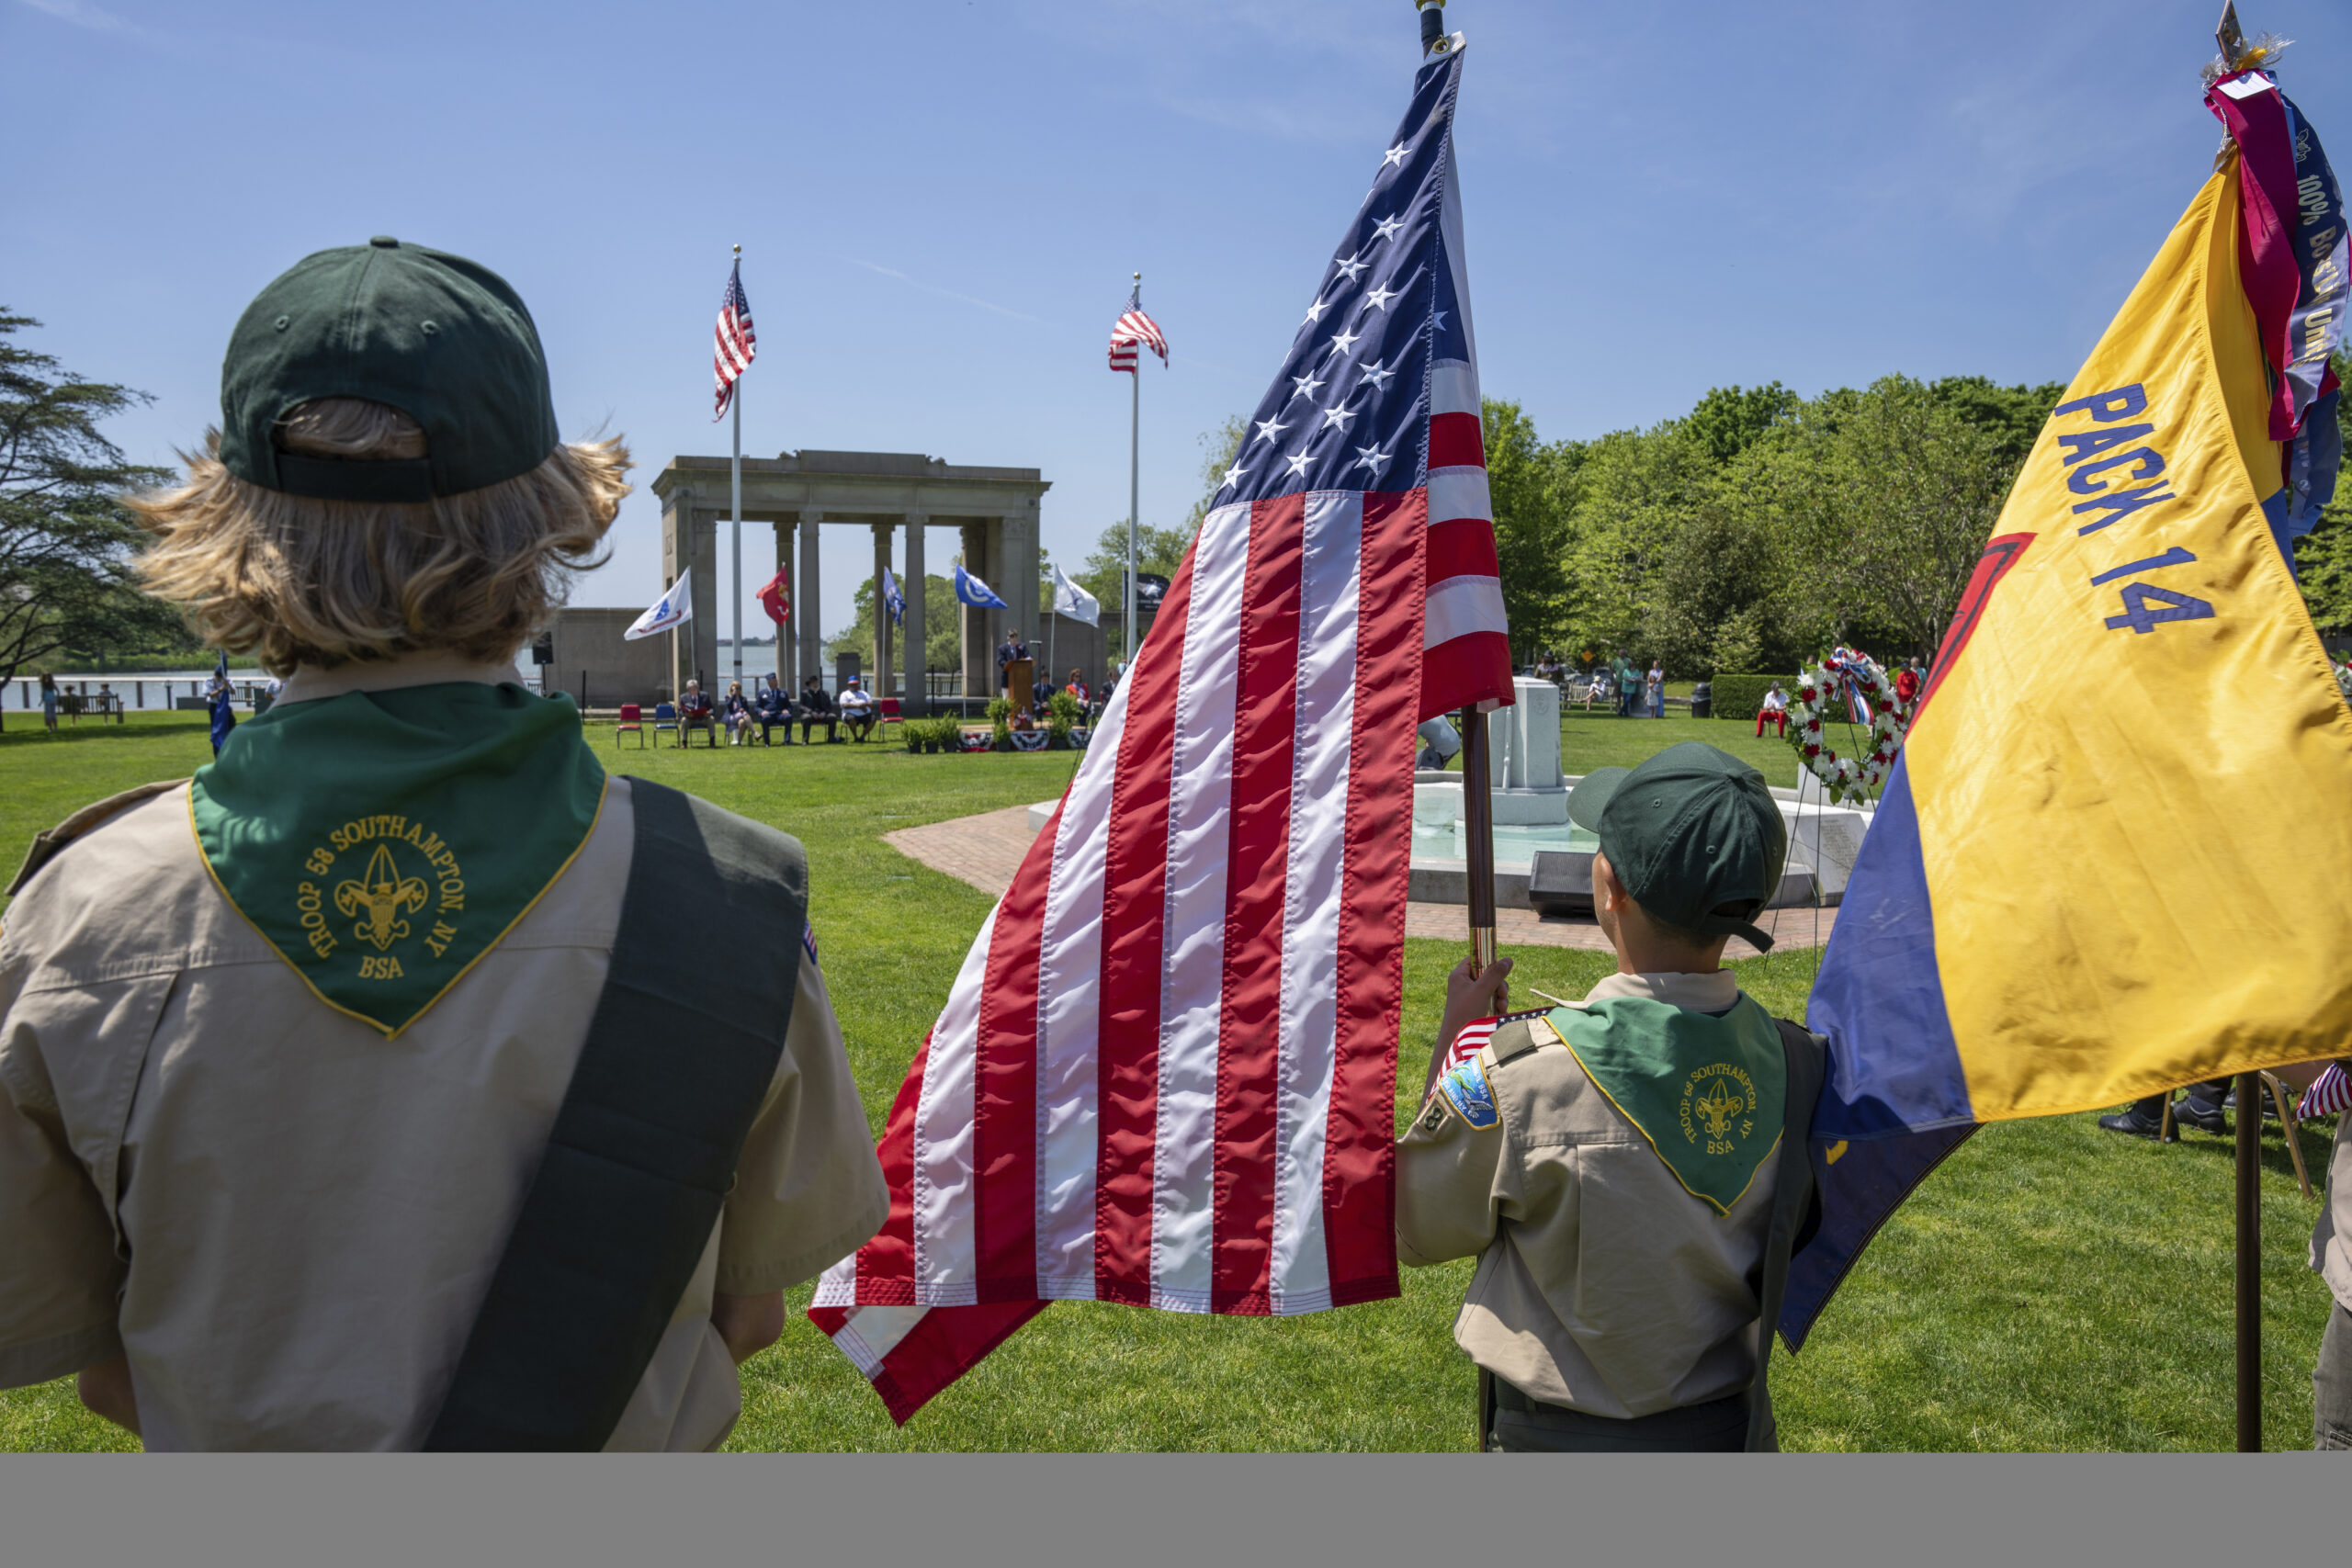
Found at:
<point>1821,690</point>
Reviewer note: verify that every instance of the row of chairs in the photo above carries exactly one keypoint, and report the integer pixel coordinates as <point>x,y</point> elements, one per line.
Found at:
<point>667,721</point>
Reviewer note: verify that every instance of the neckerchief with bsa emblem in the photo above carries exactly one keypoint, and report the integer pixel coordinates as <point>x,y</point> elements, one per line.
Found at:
<point>384,842</point>
<point>1706,1089</point>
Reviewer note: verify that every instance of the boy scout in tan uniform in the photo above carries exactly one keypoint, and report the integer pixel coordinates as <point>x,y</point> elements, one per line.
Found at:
<point>1629,1172</point>
<point>369,1090</point>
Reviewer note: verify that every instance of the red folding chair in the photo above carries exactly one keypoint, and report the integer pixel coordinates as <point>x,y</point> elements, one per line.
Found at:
<point>890,715</point>
<point>632,723</point>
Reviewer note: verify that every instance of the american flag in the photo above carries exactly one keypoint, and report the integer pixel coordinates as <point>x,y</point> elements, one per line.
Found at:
<point>733,345</point>
<point>2329,1093</point>
<point>1468,1043</point>
<point>1166,1073</point>
<point>1134,327</point>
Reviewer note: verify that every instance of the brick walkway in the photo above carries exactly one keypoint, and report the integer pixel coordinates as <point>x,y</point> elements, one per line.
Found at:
<point>986,850</point>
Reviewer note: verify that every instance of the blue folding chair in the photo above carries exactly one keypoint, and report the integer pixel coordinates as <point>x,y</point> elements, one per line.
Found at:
<point>665,717</point>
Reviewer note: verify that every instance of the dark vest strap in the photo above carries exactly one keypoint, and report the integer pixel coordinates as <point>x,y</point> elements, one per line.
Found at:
<point>1793,1203</point>
<point>645,1143</point>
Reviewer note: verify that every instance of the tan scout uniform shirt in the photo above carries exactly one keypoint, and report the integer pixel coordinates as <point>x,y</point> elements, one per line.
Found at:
<point>1602,1285</point>
<point>2332,1238</point>
<point>287,1221</point>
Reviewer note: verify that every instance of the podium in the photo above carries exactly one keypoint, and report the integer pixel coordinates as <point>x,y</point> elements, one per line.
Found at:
<point>1017,675</point>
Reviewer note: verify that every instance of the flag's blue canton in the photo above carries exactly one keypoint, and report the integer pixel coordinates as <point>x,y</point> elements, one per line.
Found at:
<point>1350,411</point>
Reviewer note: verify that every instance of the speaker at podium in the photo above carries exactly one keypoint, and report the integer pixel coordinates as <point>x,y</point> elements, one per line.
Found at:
<point>1019,677</point>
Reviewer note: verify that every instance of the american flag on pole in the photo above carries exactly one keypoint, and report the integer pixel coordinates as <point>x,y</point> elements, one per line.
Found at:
<point>733,345</point>
<point>1134,327</point>
<point>1166,1073</point>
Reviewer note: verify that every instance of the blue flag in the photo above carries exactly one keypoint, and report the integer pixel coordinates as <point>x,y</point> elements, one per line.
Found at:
<point>892,600</point>
<point>223,720</point>
<point>970,590</point>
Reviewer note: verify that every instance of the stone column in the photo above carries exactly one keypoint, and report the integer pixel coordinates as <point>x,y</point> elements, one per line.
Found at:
<point>917,698</point>
<point>700,636</point>
<point>1017,560</point>
<point>980,632</point>
<point>881,687</point>
<point>783,633</point>
<point>805,605</point>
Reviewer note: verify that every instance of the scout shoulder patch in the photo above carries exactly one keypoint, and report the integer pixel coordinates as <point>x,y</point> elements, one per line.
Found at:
<point>382,843</point>
<point>1706,1092</point>
<point>1465,1088</point>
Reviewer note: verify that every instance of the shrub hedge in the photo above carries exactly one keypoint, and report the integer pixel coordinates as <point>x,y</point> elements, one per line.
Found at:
<point>1739,697</point>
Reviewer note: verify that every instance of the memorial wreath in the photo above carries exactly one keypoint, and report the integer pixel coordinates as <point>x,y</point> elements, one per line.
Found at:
<point>1857,682</point>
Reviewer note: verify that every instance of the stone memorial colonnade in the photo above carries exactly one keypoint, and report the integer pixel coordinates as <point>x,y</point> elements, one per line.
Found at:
<point>996,510</point>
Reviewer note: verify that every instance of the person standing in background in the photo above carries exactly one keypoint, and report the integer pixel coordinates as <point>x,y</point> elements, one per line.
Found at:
<point>48,703</point>
<point>1655,688</point>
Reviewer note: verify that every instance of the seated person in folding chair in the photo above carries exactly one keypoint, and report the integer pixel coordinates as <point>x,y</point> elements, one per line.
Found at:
<point>858,711</point>
<point>694,713</point>
<point>735,712</point>
<point>774,710</point>
<point>1077,688</point>
<point>816,708</point>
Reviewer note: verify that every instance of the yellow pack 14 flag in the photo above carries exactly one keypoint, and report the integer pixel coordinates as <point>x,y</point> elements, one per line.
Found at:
<point>2116,852</point>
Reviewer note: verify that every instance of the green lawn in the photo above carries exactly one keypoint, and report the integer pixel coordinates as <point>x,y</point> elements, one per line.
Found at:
<point>2053,1286</point>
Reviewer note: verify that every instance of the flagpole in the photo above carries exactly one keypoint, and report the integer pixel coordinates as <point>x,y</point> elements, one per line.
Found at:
<point>735,508</point>
<point>1134,484</point>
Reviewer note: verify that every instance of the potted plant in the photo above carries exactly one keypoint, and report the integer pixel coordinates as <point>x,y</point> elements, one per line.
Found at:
<point>1063,711</point>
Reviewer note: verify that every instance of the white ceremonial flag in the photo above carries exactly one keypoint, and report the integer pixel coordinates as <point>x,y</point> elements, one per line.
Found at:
<point>673,608</point>
<point>1074,602</point>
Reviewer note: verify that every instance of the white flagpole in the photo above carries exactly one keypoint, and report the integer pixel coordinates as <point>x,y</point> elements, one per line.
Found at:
<point>735,510</point>
<point>1135,484</point>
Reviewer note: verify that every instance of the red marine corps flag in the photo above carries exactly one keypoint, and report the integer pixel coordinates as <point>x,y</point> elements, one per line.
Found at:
<point>1166,1075</point>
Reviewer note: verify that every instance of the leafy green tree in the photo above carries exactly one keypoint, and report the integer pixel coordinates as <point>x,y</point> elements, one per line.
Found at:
<point>66,540</point>
<point>1883,500</point>
<point>2324,556</point>
<point>943,634</point>
<point>1637,491</point>
<point>1532,490</point>
<point>2011,416</point>
<point>1729,420</point>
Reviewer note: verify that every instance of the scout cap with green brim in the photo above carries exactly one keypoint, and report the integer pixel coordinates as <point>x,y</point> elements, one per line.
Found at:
<point>444,340</point>
<point>1694,835</point>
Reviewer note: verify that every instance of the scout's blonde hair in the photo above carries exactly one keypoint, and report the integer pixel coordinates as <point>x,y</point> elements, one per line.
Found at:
<point>327,583</point>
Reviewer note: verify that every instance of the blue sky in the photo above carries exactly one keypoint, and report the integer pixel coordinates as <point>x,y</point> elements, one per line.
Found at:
<point>940,203</point>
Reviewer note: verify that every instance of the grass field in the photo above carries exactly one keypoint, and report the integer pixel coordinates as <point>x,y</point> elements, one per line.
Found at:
<point>2051,1287</point>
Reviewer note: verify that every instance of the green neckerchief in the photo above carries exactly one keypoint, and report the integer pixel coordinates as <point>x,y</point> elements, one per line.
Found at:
<point>384,842</point>
<point>1706,1089</point>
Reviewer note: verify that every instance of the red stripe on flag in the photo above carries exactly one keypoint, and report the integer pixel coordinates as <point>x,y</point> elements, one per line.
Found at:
<point>948,1342</point>
<point>1135,906</point>
<point>1250,1011</point>
<point>886,1266</point>
<point>1359,1197</point>
<point>1004,1085</point>
<point>1461,547</point>
<point>1456,441</point>
<point>1473,668</point>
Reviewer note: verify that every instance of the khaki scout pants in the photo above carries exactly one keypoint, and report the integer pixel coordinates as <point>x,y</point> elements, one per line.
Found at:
<point>2331,1383</point>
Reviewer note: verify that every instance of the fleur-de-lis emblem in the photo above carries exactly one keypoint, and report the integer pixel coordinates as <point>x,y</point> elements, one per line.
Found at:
<point>378,899</point>
<point>1719,1108</point>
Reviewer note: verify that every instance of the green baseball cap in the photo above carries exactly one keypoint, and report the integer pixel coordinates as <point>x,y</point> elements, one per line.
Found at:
<point>442,339</point>
<point>1694,835</point>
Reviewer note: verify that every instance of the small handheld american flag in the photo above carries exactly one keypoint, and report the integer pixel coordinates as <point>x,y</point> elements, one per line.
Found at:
<point>1134,327</point>
<point>734,345</point>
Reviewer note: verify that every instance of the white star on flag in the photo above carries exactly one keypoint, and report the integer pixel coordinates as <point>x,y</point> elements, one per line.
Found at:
<point>1343,341</point>
<point>1370,457</point>
<point>1377,376</point>
<point>1395,155</point>
<point>1378,297</point>
<point>1304,386</point>
<point>1233,476</point>
<point>1338,417</point>
<point>1314,312</point>
<point>1352,266</point>
<point>1387,227</point>
<point>1268,429</point>
<point>1297,464</point>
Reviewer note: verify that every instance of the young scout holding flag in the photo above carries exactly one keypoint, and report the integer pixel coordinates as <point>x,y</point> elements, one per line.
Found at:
<point>1629,1171</point>
<point>363,1091</point>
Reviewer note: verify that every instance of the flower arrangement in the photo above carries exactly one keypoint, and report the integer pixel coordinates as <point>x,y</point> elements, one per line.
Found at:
<point>1822,686</point>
